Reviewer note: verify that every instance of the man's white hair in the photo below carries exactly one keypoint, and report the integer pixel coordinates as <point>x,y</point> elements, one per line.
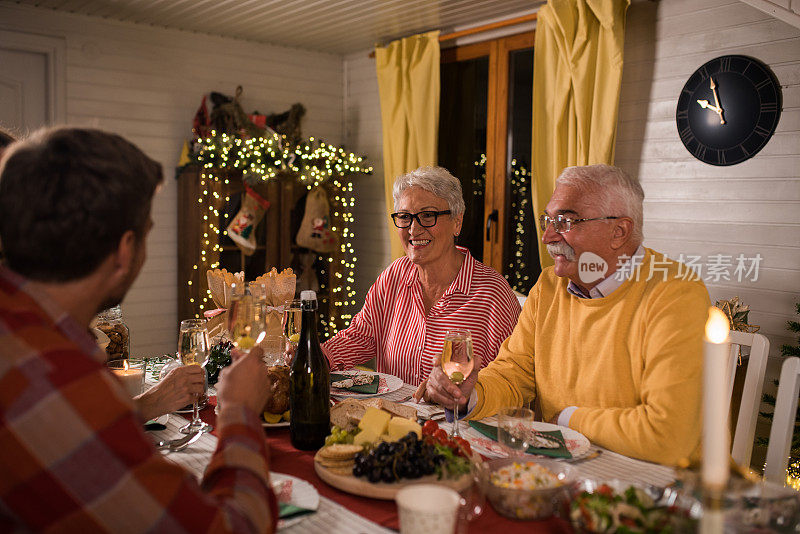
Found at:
<point>614,191</point>
<point>436,180</point>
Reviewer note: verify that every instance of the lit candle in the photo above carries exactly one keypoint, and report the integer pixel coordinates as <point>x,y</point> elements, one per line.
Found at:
<point>131,376</point>
<point>716,439</point>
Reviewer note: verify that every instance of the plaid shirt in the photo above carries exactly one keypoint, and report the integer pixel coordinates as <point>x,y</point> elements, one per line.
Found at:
<point>74,456</point>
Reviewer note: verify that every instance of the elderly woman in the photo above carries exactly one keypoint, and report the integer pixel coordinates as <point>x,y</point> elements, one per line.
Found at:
<point>435,287</point>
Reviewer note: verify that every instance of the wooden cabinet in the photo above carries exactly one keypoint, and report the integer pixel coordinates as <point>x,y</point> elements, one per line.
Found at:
<point>206,206</point>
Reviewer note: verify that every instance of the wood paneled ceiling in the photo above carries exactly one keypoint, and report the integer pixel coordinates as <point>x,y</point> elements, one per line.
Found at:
<point>334,26</point>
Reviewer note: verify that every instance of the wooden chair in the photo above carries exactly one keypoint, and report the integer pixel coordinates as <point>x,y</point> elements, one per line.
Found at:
<point>744,434</point>
<point>780,435</point>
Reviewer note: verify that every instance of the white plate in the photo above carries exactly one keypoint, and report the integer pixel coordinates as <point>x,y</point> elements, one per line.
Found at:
<point>577,444</point>
<point>282,424</point>
<point>386,384</point>
<point>303,495</point>
<point>162,419</point>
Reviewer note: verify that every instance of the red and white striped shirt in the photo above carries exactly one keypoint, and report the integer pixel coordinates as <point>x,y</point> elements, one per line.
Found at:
<point>393,329</point>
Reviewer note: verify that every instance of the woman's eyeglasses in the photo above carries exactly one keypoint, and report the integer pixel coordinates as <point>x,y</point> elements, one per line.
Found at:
<point>424,218</point>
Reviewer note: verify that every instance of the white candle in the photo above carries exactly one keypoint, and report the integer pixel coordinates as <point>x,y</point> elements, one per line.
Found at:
<point>131,376</point>
<point>716,446</point>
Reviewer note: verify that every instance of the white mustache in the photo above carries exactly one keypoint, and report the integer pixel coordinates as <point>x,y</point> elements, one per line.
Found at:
<point>561,248</point>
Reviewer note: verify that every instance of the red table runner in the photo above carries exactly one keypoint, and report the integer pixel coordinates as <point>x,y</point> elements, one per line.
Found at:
<point>284,458</point>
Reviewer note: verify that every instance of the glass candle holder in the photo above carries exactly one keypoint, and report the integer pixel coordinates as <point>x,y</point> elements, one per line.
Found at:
<point>130,373</point>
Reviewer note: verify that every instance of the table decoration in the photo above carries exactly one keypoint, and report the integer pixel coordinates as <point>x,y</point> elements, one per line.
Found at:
<point>130,373</point>
<point>716,438</point>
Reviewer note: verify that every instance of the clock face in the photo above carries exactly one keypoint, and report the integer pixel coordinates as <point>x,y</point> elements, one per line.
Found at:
<point>728,110</point>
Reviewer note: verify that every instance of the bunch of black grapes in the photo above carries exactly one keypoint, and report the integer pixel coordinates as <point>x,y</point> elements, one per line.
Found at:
<point>407,458</point>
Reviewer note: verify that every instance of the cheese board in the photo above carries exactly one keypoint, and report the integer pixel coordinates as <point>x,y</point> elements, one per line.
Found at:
<point>383,490</point>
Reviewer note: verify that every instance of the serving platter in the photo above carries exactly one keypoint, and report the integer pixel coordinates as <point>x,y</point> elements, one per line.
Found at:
<point>383,490</point>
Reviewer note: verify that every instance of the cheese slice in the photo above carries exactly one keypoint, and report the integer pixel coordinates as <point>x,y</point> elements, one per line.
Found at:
<point>400,427</point>
<point>365,437</point>
<point>375,420</point>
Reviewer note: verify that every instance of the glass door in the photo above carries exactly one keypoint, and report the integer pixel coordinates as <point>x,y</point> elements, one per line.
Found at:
<point>485,141</point>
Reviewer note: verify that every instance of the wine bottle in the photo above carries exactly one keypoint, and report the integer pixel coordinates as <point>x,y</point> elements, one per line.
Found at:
<point>309,383</point>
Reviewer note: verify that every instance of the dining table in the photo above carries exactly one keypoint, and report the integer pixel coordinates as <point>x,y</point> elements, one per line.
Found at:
<point>344,512</point>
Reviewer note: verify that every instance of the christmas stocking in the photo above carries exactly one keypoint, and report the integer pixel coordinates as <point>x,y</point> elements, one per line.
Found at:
<point>242,227</point>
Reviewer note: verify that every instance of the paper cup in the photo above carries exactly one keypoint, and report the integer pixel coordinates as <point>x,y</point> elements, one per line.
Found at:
<point>426,508</point>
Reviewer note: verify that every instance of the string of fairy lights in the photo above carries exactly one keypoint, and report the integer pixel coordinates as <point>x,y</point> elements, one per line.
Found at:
<point>520,273</point>
<point>311,163</point>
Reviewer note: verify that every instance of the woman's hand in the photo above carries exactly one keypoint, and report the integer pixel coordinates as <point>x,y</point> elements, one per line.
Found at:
<point>441,390</point>
<point>180,387</point>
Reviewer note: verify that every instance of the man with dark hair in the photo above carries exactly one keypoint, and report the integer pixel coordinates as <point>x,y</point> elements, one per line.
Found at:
<point>74,216</point>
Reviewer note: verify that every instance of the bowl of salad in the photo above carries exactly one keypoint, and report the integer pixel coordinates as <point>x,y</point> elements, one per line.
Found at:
<point>522,488</point>
<point>616,507</point>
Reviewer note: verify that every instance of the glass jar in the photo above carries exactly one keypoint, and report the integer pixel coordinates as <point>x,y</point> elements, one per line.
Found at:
<point>110,322</point>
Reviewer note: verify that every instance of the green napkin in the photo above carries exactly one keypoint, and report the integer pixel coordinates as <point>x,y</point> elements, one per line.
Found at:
<point>561,452</point>
<point>287,510</point>
<point>370,389</point>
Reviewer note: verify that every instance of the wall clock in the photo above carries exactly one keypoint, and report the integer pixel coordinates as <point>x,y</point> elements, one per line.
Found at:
<point>728,110</point>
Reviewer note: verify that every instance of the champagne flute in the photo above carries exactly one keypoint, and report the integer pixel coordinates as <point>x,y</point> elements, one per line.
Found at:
<point>194,349</point>
<point>247,322</point>
<point>457,363</point>
<point>292,320</point>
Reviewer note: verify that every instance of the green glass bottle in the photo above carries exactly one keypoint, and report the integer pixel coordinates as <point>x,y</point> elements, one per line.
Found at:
<point>309,383</point>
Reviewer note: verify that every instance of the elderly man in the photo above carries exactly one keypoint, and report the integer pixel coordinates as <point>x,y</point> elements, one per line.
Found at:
<point>74,217</point>
<point>609,341</point>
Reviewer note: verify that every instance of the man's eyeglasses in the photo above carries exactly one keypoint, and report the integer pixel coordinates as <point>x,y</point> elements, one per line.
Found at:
<point>562,224</point>
<point>424,218</point>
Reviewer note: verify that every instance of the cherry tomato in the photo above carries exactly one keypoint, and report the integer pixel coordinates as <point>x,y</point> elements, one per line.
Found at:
<point>462,446</point>
<point>605,490</point>
<point>429,428</point>
<point>440,435</point>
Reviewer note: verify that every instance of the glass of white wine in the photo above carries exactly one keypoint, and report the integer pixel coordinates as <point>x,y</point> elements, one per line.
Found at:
<point>292,320</point>
<point>194,349</point>
<point>457,363</point>
<point>247,322</point>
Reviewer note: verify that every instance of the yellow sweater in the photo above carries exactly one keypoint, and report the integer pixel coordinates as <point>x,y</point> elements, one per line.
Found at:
<point>631,362</point>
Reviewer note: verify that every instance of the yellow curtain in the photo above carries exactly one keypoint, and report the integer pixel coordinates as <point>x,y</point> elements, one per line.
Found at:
<point>408,82</point>
<point>577,72</point>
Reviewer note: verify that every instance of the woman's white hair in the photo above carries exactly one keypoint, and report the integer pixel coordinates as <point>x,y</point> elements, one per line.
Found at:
<point>614,192</point>
<point>436,180</point>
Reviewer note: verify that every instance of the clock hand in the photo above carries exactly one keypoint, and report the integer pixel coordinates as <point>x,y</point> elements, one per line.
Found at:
<point>705,105</point>
<point>716,99</point>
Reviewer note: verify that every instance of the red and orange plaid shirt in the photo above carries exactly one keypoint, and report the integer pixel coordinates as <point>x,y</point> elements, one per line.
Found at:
<point>73,453</point>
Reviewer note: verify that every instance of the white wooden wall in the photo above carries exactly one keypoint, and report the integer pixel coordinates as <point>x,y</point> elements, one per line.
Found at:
<point>363,135</point>
<point>146,84</point>
<point>693,208</point>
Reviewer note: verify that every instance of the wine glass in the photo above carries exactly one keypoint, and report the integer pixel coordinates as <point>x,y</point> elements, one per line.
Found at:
<point>457,363</point>
<point>194,349</point>
<point>246,322</point>
<point>292,321</point>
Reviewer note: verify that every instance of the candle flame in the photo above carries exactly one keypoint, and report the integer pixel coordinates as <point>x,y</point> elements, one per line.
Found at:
<point>717,326</point>
<point>125,365</point>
